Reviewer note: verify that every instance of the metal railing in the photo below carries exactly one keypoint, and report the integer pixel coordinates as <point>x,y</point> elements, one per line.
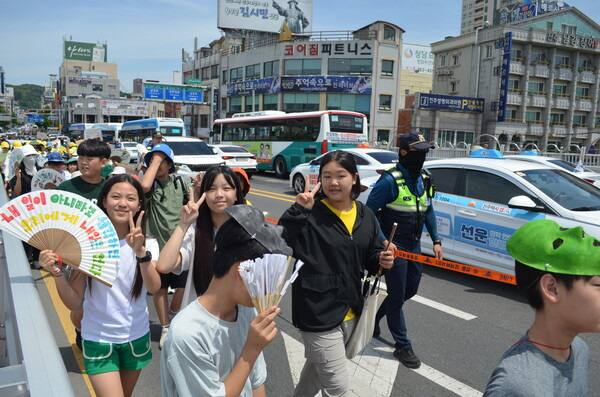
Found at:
<point>31,364</point>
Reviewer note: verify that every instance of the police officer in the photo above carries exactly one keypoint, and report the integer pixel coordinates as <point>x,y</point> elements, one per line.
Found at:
<point>403,195</point>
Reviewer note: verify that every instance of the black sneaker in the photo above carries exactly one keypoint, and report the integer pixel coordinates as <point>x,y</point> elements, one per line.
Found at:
<point>376,331</point>
<point>407,357</point>
<point>78,339</point>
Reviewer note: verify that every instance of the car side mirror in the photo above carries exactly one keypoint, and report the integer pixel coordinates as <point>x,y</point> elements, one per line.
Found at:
<point>525,203</point>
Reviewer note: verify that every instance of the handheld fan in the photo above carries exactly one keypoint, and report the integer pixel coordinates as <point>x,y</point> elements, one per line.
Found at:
<point>265,279</point>
<point>46,178</point>
<point>14,161</point>
<point>68,224</point>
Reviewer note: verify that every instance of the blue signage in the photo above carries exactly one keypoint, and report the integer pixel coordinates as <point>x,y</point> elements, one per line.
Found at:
<point>154,92</point>
<point>347,85</point>
<point>261,86</point>
<point>173,94</point>
<point>35,118</point>
<point>504,76</point>
<point>447,102</point>
<point>193,94</point>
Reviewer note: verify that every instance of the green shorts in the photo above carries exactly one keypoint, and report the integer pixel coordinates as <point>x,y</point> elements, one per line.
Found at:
<point>101,357</point>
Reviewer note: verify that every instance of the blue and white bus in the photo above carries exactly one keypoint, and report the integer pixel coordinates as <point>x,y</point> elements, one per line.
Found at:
<point>138,130</point>
<point>109,133</point>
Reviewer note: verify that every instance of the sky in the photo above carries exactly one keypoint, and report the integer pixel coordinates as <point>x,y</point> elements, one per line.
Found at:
<point>145,38</point>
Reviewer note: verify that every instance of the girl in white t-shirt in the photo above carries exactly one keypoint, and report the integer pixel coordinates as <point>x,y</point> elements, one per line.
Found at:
<point>115,326</point>
<point>191,248</point>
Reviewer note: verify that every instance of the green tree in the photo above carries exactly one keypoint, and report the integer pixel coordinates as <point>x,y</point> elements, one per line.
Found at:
<point>28,96</point>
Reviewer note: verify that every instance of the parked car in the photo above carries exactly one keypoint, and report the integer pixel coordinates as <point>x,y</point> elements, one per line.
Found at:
<point>236,157</point>
<point>585,173</point>
<point>192,155</point>
<point>370,162</point>
<point>480,202</point>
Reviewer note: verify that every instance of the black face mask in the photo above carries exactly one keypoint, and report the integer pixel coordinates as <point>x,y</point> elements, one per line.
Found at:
<point>413,162</point>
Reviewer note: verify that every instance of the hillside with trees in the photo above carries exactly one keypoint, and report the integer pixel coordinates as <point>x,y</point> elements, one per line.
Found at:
<point>28,96</point>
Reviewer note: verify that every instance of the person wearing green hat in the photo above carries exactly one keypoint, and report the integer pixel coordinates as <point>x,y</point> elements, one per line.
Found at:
<point>559,271</point>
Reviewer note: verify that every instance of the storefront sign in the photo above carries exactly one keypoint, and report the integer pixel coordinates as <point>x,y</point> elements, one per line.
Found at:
<point>504,76</point>
<point>572,40</point>
<point>447,102</point>
<point>356,47</point>
<point>348,85</point>
<point>262,86</point>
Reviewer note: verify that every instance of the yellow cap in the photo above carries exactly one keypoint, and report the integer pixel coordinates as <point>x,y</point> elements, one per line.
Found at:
<point>71,144</point>
<point>5,145</point>
<point>17,144</point>
<point>27,142</point>
<point>72,150</point>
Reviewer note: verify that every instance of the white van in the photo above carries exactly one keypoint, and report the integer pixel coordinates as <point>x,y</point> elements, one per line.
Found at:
<point>192,155</point>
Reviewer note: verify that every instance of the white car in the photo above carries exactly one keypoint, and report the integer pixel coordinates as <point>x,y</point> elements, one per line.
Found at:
<point>131,147</point>
<point>480,202</point>
<point>587,174</point>
<point>236,157</point>
<point>192,155</point>
<point>370,163</point>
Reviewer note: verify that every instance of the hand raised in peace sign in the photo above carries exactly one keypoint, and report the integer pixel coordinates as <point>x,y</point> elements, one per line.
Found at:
<point>135,238</point>
<point>189,212</point>
<point>307,199</point>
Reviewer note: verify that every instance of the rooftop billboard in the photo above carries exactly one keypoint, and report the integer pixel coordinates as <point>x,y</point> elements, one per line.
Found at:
<point>78,51</point>
<point>417,58</point>
<point>266,15</point>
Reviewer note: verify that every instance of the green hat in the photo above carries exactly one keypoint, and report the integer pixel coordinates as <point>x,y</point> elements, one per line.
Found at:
<point>72,160</point>
<point>544,245</point>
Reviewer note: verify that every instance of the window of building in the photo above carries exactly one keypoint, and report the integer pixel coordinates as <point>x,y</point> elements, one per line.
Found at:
<point>563,61</point>
<point>383,135</point>
<point>295,67</point>
<point>248,103</point>
<point>453,86</point>
<point>455,59</point>
<point>579,120</point>
<point>387,67</point>
<point>253,72</point>
<point>389,33</point>
<point>511,114</point>
<point>513,85</point>
<point>112,87</point>
<point>300,102</point>
<point>533,117</point>
<point>214,72</point>
<point>582,93</point>
<point>97,87</point>
<point>223,103</point>
<point>559,90</point>
<point>205,73</point>
<point>516,54</point>
<point>270,102</point>
<point>235,74</point>
<point>406,92</point>
<point>537,56</point>
<point>204,121</point>
<point>235,104</point>
<point>351,102</point>
<point>568,29</point>
<point>271,69</point>
<point>443,60</point>
<point>549,26</point>
<point>350,66</point>
<point>224,79</point>
<point>535,87</point>
<point>488,51</point>
<point>385,102</point>
<point>585,63</point>
<point>557,118</point>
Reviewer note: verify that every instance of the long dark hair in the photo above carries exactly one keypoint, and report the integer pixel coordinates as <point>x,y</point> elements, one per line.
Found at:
<point>204,227</point>
<point>136,289</point>
<point>347,161</point>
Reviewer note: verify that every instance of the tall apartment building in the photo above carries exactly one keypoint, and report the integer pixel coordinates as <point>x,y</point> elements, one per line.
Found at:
<point>544,91</point>
<point>475,13</point>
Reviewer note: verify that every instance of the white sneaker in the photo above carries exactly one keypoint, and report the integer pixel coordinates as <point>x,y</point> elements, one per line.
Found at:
<point>163,336</point>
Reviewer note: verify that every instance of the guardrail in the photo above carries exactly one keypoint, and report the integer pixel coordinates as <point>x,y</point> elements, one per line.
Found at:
<point>31,364</point>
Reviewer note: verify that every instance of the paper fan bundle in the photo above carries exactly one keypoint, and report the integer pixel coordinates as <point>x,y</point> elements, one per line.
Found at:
<point>68,224</point>
<point>265,279</point>
<point>46,178</point>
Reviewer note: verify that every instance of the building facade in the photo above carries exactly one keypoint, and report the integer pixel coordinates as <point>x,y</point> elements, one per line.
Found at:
<point>539,78</point>
<point>96,109</point>
<point>357,71</point>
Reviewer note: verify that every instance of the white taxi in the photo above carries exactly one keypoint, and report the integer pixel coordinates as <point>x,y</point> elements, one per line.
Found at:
<point>480,202</point>
<point>370,163</point>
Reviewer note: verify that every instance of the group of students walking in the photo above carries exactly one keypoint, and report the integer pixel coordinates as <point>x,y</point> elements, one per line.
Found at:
<point>199,232</point>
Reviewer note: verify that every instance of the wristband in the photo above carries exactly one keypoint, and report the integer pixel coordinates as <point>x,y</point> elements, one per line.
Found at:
<point>437,242</point>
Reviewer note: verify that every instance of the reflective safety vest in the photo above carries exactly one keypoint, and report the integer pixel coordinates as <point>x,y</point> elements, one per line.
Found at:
<point>407,210</point>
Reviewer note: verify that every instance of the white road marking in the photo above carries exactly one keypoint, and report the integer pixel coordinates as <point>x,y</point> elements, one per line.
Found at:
<point>439,306</point>
<point>447,382</point>
<point>373,372</point>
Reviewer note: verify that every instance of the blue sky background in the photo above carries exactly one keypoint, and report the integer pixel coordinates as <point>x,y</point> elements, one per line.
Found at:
<point>145,38</point>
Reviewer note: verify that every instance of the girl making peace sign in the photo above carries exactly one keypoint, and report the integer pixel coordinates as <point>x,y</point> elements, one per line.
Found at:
<point>115,325</point>
<point>337,238</point>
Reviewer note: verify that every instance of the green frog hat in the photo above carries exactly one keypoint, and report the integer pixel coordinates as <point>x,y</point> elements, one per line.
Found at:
<point>544,245</point>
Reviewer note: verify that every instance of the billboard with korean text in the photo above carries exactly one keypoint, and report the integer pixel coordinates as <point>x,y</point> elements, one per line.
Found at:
<point>448,102</point>
<point>266,15</point>
<point>339,84</point>
<point>269,85</point>
<point>79,51</point>
<point>417,58</point>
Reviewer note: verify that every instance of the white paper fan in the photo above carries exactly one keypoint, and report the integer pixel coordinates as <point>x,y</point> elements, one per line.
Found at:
<point>265,279</point>
<point>46,178</point>
<point>68,224</point>
<point>122,155</point>
<point>16,156</point>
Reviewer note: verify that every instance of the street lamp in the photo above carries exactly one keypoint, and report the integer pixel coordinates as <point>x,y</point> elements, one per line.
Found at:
<point>485,25</point>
